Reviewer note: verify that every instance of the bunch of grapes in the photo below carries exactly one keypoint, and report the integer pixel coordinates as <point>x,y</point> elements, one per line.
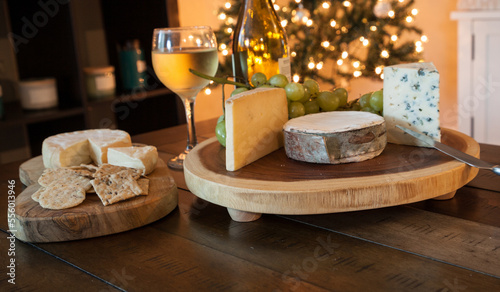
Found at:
<point>306,98</point>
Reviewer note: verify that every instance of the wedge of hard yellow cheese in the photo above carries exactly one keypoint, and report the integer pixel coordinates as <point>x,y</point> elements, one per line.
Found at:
<point>335,137</point>
<point>254,125</point>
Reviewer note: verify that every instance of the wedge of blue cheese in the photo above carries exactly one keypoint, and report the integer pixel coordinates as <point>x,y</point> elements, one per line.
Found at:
<point>411,100</point>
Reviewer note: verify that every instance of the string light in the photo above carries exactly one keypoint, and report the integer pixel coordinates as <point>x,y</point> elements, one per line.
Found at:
<point>349,60</point>
<point>208,91</point>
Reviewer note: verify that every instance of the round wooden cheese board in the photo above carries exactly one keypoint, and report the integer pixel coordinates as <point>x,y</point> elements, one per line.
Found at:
<point>276,184</point>
<point>91,218</point>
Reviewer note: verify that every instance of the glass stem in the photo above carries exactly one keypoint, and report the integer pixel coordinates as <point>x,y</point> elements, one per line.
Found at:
<point>191,135</point>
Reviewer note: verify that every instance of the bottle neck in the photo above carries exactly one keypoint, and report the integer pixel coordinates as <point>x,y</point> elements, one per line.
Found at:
<point>256,6</point>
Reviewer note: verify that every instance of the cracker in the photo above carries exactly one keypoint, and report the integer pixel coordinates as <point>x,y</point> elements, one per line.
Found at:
<point>61,196</point>
<point>63,175</point>
<point>116,187</point>
<point>36,195</point>
<point>81,171</point>
<point>108,169</point>
<point>144,185</point>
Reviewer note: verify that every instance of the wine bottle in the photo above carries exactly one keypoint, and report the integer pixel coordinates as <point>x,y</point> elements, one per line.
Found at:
<point>259,42</point>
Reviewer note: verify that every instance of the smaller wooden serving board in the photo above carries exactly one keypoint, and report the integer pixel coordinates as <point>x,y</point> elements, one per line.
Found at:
<point>91,218</point>
<point>276,184</point>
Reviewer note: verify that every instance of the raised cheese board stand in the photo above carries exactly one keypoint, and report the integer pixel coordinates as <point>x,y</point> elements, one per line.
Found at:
<point>91,218</point>
<point>276,184</point>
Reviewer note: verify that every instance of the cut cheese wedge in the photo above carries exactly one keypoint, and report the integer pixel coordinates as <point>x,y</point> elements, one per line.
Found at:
<point>139,157</point>
<point>81,147</point>
<point>335,137</point>
<point>254,125</point>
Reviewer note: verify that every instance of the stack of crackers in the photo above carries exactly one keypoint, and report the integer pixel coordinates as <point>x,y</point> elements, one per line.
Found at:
<point>66,187</point>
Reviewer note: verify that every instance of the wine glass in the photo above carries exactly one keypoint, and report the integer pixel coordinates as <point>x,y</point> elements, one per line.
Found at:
<point>175,51</point>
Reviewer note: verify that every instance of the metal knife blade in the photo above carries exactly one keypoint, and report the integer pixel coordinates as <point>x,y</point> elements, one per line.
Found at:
<point>459,155</point>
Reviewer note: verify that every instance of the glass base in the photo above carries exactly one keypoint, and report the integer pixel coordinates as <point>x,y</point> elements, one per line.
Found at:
<point>178,161</point>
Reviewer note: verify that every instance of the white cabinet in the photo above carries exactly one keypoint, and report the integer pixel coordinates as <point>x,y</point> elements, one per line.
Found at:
<point>479,74</point>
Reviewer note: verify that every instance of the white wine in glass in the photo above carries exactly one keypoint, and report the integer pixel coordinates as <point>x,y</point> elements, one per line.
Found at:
<point>175,51</point>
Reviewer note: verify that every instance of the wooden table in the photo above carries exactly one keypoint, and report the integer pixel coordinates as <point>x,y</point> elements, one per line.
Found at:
<point>451,245</point>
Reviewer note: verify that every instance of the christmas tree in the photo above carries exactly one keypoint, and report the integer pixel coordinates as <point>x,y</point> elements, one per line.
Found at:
<point>352,38</point>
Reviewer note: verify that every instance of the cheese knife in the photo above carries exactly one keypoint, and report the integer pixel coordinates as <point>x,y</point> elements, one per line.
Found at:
<point>459,155</point>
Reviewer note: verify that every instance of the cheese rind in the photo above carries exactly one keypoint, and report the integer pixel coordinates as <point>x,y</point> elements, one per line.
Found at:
<point>74,148</point>
<point>335,137</point>
<point>101,140</point>
<point>139,157</point>
<point>254,125</point>
<point>411,100</point>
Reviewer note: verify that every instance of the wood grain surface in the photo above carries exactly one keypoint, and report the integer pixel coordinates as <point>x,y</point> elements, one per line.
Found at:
<point>91,218</point>
<point>276,184</point>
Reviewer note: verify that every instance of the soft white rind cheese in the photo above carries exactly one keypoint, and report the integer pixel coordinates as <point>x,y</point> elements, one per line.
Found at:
<point>139,157</point>
<point>335,137</point>
<point>81,147</point>
<point>411,100</point>
<point>254,125</point>
<point>101,140</point>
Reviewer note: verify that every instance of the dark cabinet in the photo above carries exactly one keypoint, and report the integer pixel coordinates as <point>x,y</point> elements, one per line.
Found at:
<point>59,38</point>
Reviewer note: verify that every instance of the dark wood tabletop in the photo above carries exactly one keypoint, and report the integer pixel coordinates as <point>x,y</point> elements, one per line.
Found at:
<point>451,245</point>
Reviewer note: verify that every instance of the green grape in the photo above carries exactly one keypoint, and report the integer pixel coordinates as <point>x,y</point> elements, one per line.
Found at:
<point>311,107</point>
<point>258,79</point>
<point>377,100</point>
<point>238,90</point>
<point>278,80</point>
<point>313,86</point>
<point>294,91</point>
<point>328,101</point>
<point>265,86</point>
<point>364,100</point>
<point>220,132</point>
<point>221,118</point>
<point>296,109</point>
<point>342,95</point>
<point>355,107</point>
<point>307,95</point>
<point>368,109</point>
